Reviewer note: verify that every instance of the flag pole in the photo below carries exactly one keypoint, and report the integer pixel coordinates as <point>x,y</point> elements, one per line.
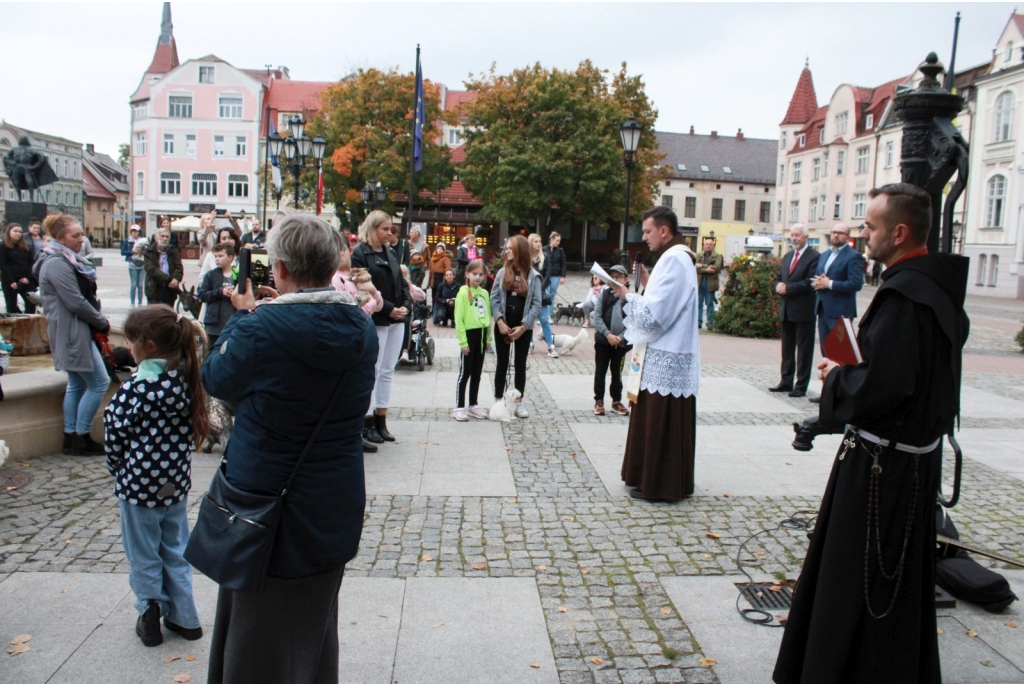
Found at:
<point>417,76</point>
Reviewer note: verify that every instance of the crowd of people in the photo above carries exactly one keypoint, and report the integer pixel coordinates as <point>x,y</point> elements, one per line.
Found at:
<point>334,322</point>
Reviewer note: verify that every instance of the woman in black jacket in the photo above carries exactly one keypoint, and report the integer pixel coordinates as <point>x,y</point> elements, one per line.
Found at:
<point>375,254</point>
<point>16,269</point>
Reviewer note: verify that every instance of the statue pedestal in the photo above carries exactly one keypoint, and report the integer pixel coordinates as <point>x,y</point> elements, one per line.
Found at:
<point>27,332</point>
<point>23,212</point>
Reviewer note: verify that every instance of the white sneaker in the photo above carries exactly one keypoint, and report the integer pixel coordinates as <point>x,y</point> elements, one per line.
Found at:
<point>477,413</point>
<point>553,353</point>
<point>521,412</point>
<point>460,415</point>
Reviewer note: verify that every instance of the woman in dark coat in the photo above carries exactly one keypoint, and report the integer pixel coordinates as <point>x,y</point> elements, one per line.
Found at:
<point>375,254</point>
<point>280,365</point>
<point>16,269</point>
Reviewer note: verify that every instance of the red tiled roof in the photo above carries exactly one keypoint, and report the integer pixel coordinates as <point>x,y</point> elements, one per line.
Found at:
<point>455,194</point>
<point>92,187</point>
<point>811,132</point>
<point>1018,19</point>
<point>294,96</point>
<point>454,99</point>
<point>804,103</point>
<point>877,102</point>
<point>165,58</point>
<point>262,76</point>
<point>458,154</point>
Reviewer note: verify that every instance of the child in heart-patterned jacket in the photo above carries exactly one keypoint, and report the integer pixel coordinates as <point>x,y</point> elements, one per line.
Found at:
<point>152,423</point>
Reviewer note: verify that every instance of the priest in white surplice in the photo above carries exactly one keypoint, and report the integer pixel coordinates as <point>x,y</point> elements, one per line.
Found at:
<point>658,463</point>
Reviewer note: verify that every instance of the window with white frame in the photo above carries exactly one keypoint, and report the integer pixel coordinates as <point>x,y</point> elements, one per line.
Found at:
<point>797,172</point>
<point>840,162</point>
<point>168,143</point>
<point>778,212</point>
<point>204,184</point>
<point>1004,117</point>
<point>837,208</point>
<point>995,196</point>
<point>842,119</point>
<point>822,207</point>
<point>179,106</point>
<point>821,136</point>
<point>813,211</point>
<point>782,174</point>
<point>982,269</point>
<point>238,185</point>
<point>140,144</point>
<point>141,110</point>
<point>218,146</point>
<point>803,139</point>
<point>206,74</point>
<point>860,204</point>
<point>190,144</point>
<point>1008,53</point>
<point>229,107</point>
<point>170,183</point>
<point>454,137</point>
<point>816,169</point>
<point>784,141</point>
<point>889,152</point>
<point>140,186</point>
<point>993,270</point>
<point>794,210</point>
<point>241,145</point>
<point>869,121</point>
<point>863,153</point>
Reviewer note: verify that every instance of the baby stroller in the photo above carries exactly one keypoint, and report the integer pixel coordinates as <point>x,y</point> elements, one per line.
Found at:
<point>421,345</point>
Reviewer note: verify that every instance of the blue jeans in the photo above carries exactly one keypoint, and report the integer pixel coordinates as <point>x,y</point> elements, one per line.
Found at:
<point>704,295</point>
<point>84,394</point>
<point>154,542</point>
<point>545,312</point>
<point>137,277</point>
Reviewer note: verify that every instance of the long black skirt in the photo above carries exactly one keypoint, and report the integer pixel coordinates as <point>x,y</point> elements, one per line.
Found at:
<point>660,446</point>
<point>286,633</point>
<point>831,636</point>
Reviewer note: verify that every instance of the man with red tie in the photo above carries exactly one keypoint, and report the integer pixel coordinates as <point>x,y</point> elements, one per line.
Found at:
<point>796,313</point>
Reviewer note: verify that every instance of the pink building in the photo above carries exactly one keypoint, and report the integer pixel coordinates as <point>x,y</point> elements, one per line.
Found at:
<point>195,134</point>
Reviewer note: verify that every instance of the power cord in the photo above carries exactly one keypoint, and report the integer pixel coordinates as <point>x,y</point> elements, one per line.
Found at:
<point>803,519</point>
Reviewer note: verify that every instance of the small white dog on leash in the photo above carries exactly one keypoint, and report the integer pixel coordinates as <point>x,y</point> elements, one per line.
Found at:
<point>567,343</point>
<point>503,409</point>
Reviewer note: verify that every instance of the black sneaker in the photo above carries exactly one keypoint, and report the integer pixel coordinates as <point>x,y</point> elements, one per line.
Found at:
<point>67,450</point>
<point>84,445</point>
<point>187,633</point>
<point>148,626</point>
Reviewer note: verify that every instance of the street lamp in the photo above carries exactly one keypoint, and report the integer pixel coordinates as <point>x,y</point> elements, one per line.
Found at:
<point>630,134</point>
<point>297,148</point>
<point>958,235</point>
<point>373,194</point>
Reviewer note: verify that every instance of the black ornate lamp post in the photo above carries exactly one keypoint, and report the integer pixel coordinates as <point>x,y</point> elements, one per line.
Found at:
<point>297,148</point>
<point>630,134</point>
<point>373,194</point>
<point>272,153</point>
<point>932,149</point>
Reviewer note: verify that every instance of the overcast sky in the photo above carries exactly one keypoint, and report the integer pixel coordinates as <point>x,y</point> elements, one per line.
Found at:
<point>68,69</point>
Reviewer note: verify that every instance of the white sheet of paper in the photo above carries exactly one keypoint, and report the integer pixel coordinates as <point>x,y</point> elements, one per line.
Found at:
<point>596,270</point>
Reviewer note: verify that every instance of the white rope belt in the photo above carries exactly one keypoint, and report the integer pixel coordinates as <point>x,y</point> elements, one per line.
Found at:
<point>910,449</point>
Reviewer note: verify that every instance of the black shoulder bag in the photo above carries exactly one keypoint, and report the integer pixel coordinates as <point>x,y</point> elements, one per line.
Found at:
<point>233,538</point>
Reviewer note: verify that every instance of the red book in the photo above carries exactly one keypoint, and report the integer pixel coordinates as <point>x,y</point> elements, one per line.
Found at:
<point>841,344</point>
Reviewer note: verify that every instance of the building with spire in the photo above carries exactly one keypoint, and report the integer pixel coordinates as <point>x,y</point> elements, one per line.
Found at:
<point>831,155</point>
<point>195,134</point>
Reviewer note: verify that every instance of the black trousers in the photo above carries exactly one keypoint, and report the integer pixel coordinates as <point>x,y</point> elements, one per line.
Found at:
<point>471,368</point>
<point>797,353</point>
<point>11,297</point>
<point>522,350</point>
<point>607,356</point>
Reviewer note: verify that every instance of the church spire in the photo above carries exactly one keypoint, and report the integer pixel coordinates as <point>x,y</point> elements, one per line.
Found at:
<point>804,103</point>
<point>166,56</point>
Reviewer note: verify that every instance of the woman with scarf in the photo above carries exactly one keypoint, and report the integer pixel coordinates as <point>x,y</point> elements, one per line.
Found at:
<point>67,286</point>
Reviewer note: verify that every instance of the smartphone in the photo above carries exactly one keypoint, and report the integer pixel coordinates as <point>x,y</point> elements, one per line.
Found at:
<point>244,268</point>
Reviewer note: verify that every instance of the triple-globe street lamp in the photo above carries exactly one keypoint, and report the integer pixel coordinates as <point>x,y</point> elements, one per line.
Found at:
<point>296,148</point>
<point>630,134</point>
<point>373,194</point>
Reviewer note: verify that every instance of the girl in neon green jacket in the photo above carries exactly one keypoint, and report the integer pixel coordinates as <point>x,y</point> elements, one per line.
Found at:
<point>473,326</point>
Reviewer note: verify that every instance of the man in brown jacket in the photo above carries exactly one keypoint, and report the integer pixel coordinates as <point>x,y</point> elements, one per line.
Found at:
<point>709,265</point>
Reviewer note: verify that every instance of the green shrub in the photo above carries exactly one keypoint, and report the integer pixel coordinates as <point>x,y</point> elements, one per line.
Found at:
<point>749,305</point>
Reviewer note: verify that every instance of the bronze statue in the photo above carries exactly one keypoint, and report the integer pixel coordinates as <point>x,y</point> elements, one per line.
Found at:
<point>28,168</point>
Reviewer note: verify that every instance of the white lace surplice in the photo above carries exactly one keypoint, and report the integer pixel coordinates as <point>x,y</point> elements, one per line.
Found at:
<point>665,317</point>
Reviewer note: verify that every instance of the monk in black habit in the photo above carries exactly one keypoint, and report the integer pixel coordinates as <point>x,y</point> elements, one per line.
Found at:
<point>864,606</point>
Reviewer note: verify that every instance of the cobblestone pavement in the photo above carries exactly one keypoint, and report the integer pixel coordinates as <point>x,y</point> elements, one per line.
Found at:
<point>596,559</point>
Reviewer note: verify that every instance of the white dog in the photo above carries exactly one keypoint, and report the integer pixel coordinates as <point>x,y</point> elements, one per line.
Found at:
<point>503,408</point>
<point>5,451</point>
<point>567,343</point>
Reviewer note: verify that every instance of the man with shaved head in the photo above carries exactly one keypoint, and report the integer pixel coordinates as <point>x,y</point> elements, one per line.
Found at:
<point>796,313</point>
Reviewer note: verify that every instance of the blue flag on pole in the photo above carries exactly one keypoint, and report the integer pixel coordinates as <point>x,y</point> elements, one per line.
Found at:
<point>420,114</point>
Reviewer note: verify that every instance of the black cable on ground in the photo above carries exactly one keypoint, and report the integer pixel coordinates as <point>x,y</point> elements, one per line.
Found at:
<point>803,519</point>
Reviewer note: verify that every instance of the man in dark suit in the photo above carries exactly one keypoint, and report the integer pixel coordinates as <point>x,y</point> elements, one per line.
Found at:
<point>796,313</point>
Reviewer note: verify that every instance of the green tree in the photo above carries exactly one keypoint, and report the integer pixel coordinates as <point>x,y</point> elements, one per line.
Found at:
<point>366,120</point>
<point>543,144</point>
<point>750,305</point>
<point>124,155</point>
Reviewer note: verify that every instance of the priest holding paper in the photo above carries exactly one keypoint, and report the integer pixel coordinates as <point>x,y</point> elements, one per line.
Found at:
<point>664,366</point>
<point>864,606</point>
